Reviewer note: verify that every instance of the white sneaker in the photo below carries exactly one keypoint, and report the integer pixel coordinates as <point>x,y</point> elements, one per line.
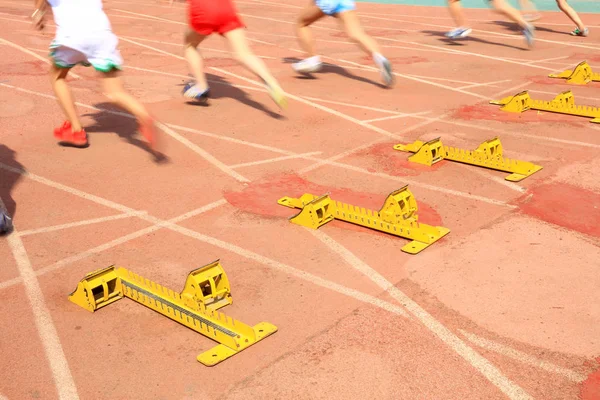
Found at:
<point>308,65</point>
<point>458,33</point>
<point>385,68</point>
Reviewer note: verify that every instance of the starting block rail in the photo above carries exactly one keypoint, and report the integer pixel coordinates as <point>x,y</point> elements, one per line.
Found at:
<point>398,217</point>
<point>563,103</point>
<point>206,290</point>
<point>582,74</point>
<point>489,154</point>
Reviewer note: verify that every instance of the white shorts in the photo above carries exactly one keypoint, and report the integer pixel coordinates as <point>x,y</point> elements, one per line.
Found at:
<point>98,50</point>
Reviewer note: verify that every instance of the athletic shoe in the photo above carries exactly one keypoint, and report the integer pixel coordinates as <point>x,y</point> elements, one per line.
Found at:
<point>148,130</point>
<point>193,92</point>
<point>579,32</point>
<point>529,35</point>
<point>278,95</point>
<point>308,65</point>
<point>458,33</point>
<point>385,67</point>
<point>66,136</point>
<point>5,223</point>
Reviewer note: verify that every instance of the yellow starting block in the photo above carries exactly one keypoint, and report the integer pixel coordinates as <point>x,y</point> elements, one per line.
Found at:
<point>487,155</point>
<point>398,216</point>
<point>563,103</point>
<point>581,75</point>
<point>206,290</point>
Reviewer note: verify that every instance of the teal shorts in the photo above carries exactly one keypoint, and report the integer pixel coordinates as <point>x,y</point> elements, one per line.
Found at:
<point>98,50</point>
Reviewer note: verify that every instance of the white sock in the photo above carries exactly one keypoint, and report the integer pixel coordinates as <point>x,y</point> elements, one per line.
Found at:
<point>313,60</point>
<point>378,58</point>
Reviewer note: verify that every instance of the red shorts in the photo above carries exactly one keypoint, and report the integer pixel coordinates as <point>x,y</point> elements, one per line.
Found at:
<point>213,16</point>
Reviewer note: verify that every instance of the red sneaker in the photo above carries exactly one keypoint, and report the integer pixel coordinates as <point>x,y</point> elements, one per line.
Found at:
<point>148,130</point>
<point>67,137</point>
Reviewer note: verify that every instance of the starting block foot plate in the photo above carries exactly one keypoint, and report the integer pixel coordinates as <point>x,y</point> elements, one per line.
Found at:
<point>221,352</point>
<point>416,247</point>
<point>516,177</point>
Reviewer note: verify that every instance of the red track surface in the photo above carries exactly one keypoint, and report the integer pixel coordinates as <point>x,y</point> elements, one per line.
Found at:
<point>505,306</point>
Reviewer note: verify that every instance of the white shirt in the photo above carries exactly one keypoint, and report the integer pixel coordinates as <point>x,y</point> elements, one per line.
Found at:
<point>78,17</point>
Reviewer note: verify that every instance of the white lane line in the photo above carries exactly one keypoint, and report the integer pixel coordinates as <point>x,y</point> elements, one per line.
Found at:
<point>31,53</point>
<point>190,145</point>
<point>276,159</point>
<point>153,71</point>
<point>204,49</point>
<point>297,98</point>
<point>467,53</point>
<point>333,159</point>
<point>395,117</point>
<point>420,80</point>
<point>298,273</point>
<point>522,135</point>
<point>358,295</point>
<point>522,357</point>
<point>503,35</point>
<point>316,105</point>
<point>487,173</point>
<point>78,223</point>
<point>547,59</point>
<point>492,84</point>
<point>61,373</point>
<point>418,44</point>
<point>320,161</point>
<point>202,153</point>
<point>353,105</point>
<point>151,17</point>
<point>482,365</point>
<point>555,93</point>
<point>116,242</point>
<point>429,82</point>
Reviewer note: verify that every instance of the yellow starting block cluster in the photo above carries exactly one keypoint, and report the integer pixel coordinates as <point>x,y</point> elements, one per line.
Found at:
<point>206,290</point>
<point>581,75</point>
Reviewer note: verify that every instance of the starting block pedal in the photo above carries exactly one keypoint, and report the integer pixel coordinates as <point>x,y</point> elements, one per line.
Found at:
<point>206,290</point>
<point>489,154</point>
<point>398,217</point>
<point>581,75</point>
<point>563,103</point>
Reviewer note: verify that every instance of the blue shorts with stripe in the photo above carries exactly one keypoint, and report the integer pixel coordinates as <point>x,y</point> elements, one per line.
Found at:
<point>332,7</point>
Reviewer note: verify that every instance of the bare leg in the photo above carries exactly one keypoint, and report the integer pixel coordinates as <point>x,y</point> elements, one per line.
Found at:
<point>58,78</point>
<point>354,30</point>
<point>194,58</point>
<point>456,12</point>
<point>243,54</point>
<point>117,94</point>
<point>356,33</point>
<point>502,7</point>
<point>309,15</point>
<point>568,10</point>
<point>529,10</point>
<point>527,6</point>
